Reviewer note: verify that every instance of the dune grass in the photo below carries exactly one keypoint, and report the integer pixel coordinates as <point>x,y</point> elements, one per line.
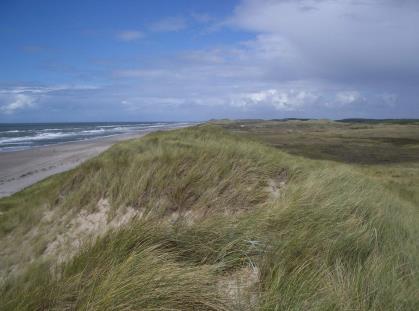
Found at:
<point>212,233</point>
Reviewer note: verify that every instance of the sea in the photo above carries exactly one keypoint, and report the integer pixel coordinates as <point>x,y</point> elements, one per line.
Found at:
<point>21,136</point>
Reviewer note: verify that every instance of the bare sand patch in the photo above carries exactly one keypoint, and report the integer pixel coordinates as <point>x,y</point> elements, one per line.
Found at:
<point>241,287</point>
<point>86,226</point>
<point>276,185</point>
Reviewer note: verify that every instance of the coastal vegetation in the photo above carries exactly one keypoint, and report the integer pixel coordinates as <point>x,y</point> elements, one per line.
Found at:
<point>249,215</point>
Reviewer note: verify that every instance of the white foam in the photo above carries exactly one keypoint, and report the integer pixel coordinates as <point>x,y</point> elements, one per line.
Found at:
<point>47,136</point>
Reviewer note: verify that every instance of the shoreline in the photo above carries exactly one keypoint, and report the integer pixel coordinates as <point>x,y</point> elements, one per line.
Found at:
<point>22,168</point>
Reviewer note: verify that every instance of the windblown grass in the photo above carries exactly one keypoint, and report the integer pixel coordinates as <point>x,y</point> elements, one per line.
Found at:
<point>344,244</point>
<point>335,237</point>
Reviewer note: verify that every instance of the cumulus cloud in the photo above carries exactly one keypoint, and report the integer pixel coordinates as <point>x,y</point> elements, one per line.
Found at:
<point>280,100</point>
<point>129,35</point>
<point>169,24</point>
<point>19,98</point>
<point>19,101</point>
<point>348,97</point>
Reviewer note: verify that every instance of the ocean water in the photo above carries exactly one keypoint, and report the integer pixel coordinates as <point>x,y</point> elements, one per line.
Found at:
<point>25,135</point>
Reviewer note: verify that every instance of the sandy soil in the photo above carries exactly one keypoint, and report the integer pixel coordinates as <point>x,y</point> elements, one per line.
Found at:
<point>20,169</point>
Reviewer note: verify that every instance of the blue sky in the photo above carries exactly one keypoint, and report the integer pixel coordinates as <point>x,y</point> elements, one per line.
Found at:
<point>197,60</point>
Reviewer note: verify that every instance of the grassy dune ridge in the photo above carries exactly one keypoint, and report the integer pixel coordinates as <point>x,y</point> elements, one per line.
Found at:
<point>219,222</point>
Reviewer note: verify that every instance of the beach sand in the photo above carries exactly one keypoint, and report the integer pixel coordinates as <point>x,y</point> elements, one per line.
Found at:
<point>20,169</point>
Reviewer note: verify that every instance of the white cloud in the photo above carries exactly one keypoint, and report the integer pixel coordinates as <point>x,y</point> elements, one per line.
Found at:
<point>306,57</point>
<point>280,100</point>
<point>346,40</point>
<point>169,24</point>
<point>17,98</point>
<point>29,89</point>
<point>44,89</point>
<point>130,35</point>
<point>348,97</point>
<point>19,101</point>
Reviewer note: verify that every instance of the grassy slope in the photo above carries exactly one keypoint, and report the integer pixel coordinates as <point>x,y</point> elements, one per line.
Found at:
<point>335,238</point>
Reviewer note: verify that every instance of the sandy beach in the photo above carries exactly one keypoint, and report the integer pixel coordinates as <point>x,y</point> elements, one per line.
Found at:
<point>20,169</point>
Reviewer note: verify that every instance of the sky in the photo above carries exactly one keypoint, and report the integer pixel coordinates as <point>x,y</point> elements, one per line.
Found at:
<point>194,60</point>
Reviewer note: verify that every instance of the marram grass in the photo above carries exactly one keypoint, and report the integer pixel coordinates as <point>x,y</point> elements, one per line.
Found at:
<point>333,239</point>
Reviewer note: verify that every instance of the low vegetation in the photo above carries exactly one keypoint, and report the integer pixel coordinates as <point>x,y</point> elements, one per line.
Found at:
<point>214,218</point>
<point>364,142</point>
